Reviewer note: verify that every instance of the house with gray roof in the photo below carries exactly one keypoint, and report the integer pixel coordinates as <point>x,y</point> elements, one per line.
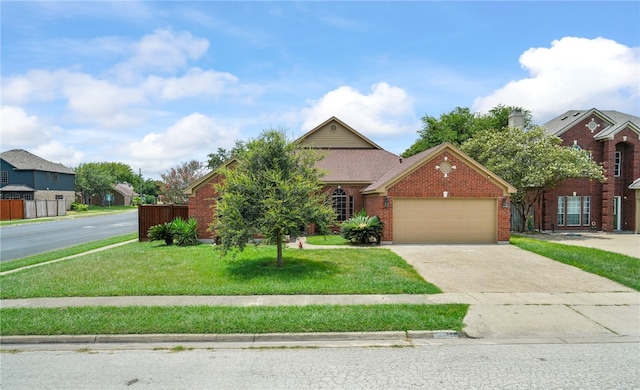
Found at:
<point>610,138</point>
<point>24,175</point>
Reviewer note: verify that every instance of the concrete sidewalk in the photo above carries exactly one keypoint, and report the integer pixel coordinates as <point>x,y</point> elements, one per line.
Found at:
<point>559,316</point>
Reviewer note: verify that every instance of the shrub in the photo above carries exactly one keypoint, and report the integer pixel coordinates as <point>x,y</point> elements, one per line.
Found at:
<point>185,233</point>
<point>75,206</point>
<point>362,229</point>
<point>161,232</point>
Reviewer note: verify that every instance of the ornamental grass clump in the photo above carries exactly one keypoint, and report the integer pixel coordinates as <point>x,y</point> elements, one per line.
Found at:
<point>362,229</point>
<point>161,232</point>
<point>185,233</point>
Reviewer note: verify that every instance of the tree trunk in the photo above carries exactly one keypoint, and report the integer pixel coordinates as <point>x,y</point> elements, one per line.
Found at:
<point>279,246</point>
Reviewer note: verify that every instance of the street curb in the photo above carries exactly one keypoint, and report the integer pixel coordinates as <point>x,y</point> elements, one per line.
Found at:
<point>232,338</point>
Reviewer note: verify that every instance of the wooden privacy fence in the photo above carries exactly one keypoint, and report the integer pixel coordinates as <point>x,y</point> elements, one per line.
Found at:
<point>11,209</point>
<point>155,214</point>
<point>27,209</point>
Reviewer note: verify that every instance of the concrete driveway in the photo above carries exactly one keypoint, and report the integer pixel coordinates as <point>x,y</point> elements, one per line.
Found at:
<point>516,294</point>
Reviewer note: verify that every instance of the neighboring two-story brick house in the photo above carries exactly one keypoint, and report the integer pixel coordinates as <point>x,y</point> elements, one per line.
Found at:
<point>24,175</point>
<point>612,139</point>
<point>437,196</point>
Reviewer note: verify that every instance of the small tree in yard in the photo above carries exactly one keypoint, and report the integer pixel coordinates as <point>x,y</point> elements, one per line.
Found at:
<point>530,160</point>
<point>272,190</point>
<point>177,179</point>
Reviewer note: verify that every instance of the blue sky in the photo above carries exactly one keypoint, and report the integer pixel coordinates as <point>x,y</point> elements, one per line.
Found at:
<point>153,84</point>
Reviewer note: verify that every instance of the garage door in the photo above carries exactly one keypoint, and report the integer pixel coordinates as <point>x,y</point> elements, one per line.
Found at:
<point>440,221</point>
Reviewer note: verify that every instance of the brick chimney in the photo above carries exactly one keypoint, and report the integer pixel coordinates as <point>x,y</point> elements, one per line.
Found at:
<point>516,119</point>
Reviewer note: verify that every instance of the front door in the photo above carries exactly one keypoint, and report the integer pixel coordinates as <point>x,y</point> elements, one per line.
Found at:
<point>617,212</point>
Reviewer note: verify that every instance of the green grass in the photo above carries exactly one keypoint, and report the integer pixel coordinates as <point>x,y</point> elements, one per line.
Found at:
<point>225,320</point>
<point>58,254</point>
<point>331,239</point>
<point>617,267</point>
<point>150,268</point>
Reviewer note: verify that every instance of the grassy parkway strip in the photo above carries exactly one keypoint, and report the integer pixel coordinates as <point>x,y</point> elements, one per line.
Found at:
<point>152,269</point>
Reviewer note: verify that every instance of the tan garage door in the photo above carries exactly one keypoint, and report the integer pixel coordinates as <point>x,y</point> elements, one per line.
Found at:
<point>444,221</point>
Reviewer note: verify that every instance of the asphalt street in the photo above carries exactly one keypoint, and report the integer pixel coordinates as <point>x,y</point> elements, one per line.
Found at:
<point>17,241</point>
<point>450,364</point>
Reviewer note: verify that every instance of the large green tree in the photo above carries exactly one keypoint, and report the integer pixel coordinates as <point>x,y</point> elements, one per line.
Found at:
<point>459,125</point>
<point>530,160</point>
<point>222,155</point>
<point>121,172</point>
<point>272,190</point>
<point>93,179</point>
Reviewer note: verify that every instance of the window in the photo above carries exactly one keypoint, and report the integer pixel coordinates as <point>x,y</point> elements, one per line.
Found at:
<point>55,177</point>
<point>586,210</point>
<point>574,210</point>
<point>27,197</point>
<point>617,164</point>
<point>4,177</point>
<point>350,206</point>
<point>561,211</point>
<point>59,197</point>
<point>339,202</point>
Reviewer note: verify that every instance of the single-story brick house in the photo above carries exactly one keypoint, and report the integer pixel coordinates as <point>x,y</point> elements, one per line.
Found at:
<point>438,196</point>
<point>610,138</point>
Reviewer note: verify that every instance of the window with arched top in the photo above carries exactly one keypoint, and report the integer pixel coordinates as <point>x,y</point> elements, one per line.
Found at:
<point>339,202</point>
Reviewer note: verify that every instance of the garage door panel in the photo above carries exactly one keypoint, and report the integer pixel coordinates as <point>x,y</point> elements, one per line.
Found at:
<point>444,220</point>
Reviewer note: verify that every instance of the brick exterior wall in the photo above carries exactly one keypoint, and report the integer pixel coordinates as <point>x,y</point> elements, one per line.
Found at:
<point>425,182</point>
<point>429,182</point>
<point>602,194</point>
<point>202,206</point>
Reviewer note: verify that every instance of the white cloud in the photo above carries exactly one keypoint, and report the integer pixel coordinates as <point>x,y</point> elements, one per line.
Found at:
<point>102,102</point>
<point>385,111</point>
<point>58,152</point>
<point>195,82</point>
<point>192,137</point>
<point>164,51</point>
<point>574,73</point>
<point>20,130</point>
<point>35,85</point>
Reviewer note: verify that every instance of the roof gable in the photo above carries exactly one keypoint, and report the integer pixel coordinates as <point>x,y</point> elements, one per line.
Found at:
<point>615,120</point>
<point>335,134</point>
<point>23,160</point>
<point>404,168</point>
<point>124,189</point>
<point>191,190</point>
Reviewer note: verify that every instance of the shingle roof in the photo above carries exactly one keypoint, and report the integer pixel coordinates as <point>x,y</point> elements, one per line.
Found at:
<point>618,121</point>
<point>635,185</point>
<point>125,189</point>
<point>23,160</point>
<point>355,165</point>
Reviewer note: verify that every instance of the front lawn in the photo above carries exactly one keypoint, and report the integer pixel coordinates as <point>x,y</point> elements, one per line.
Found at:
<point>617,267</point>
<point>225,320</point>
<point>330,239</point>
<point>150,268</point>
